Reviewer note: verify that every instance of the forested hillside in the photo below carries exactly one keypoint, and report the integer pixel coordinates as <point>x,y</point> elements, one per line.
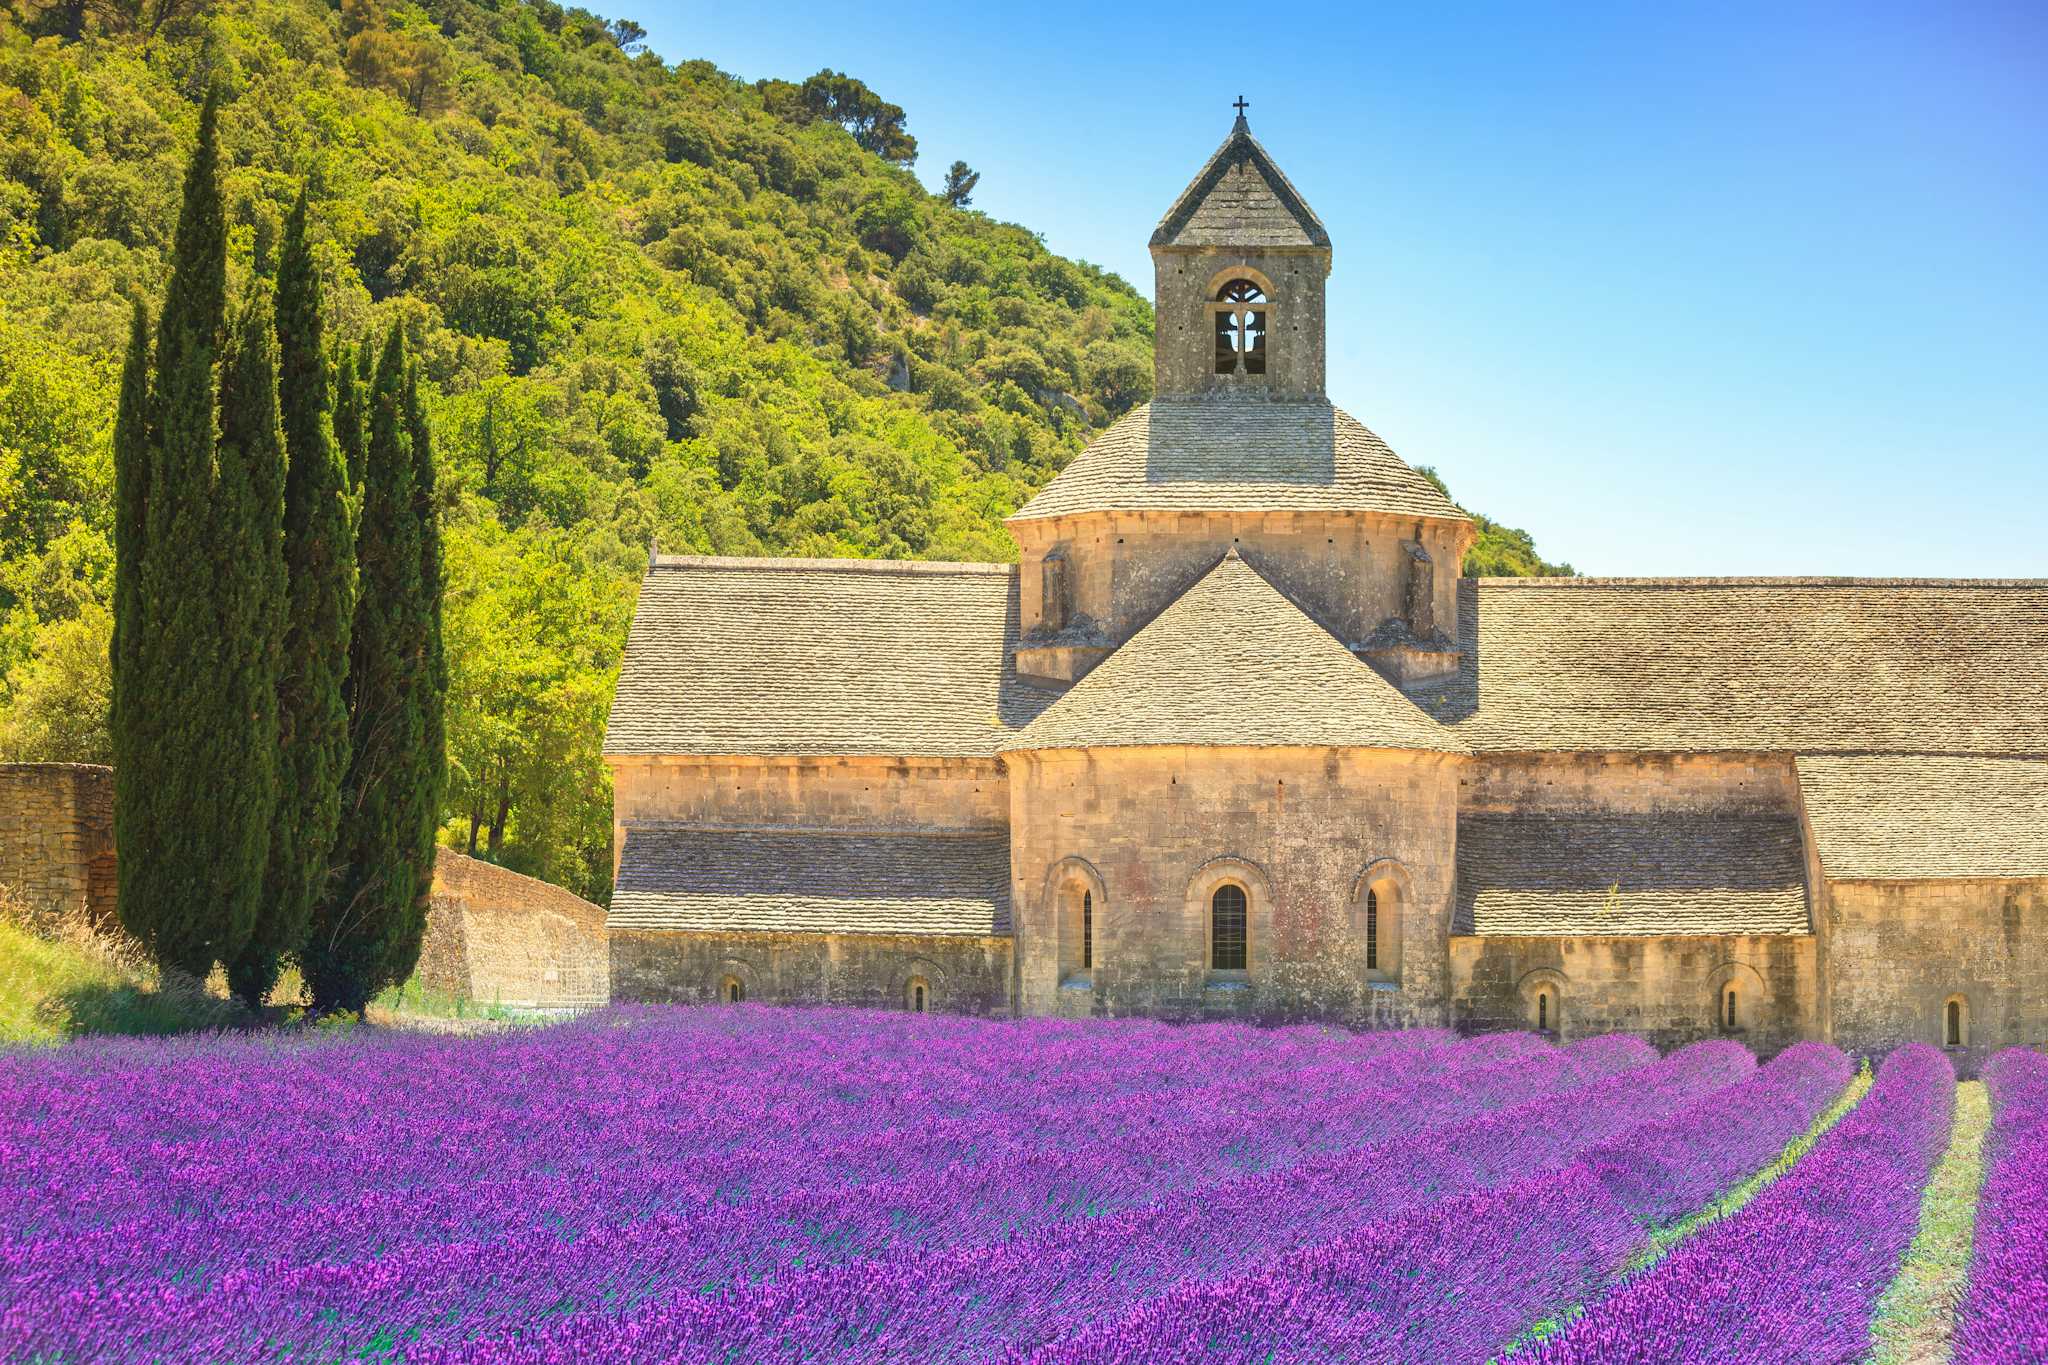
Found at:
<point>651,301</point>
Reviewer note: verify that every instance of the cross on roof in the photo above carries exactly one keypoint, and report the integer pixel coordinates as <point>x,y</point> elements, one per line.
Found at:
<point>1240,106</point>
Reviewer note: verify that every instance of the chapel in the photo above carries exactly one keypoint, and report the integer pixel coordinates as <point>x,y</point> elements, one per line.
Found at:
<point>1233,739</point>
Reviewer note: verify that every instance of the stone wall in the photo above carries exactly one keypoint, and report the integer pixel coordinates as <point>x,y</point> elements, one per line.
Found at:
<point>1669,990</point>
<point>57,837</point>
<point>1898,951</point>
<point>961,975</point>
<point>1150,833</point>
<point>497,937</point>
<point>1184,352</point>
<point>1629,784</point>
<point>1348,571</point>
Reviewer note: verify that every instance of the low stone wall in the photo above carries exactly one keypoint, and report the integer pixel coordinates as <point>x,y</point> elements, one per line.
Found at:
<point>497,937</point>
<point>57,837</point>
<point>960,975</point>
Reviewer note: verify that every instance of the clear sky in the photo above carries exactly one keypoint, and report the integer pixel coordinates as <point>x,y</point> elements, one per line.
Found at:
<point>1740,289</point>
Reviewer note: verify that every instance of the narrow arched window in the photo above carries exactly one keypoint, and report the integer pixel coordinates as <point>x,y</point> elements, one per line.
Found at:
<point>917,996</point>
<point>1240,313</point>
<point>1087,930</point>
<point>1372,931</point>
<point>1955,1023</point>
<point>1728,1009</point>
<point>1543,1012</point>
<point>1227,928</point>
<point>733,991</point>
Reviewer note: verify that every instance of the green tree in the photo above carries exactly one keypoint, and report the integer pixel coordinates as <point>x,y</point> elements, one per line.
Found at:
<point>319,561</point>
<point>248,585</point>
<point>164,790</point>
<point>367,926</point>
<point>960,182</point>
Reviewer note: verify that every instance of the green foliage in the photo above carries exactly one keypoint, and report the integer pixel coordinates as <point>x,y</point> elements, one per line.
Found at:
<point>958,191</point>
<point>367,926</point>
<point>1500,551</point>
<point>647,301</point>
<point>319,567</point>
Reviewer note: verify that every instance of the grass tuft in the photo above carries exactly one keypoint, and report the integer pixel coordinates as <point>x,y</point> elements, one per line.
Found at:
<point>1916,1316</point>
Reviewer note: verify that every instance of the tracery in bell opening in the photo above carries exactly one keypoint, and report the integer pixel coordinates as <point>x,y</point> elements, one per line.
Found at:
<point>1241,315</point>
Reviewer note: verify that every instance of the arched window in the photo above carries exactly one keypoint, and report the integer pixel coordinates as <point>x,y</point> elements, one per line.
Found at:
<point>917,996</point>
<point>1227,928</point>
<point>1087,930</point>
<point>1241,319</point>
<point>732,991</point>
<point>1372,931</point>
<point>1729,1017</point>
<point>1546,1010</point>
<point>1955,1022</point>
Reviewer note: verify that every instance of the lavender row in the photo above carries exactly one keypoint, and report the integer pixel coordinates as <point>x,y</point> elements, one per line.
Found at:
<point>1794,1275</point>
<point>2004,1314</point>
<point>985,1302</point>
<point>1455,1280</point>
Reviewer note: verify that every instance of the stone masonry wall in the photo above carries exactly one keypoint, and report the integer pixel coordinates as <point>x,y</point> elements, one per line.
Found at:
<point>497,937</point>
<point>1666,989</point>
<point>962,975</point>
<point>57,837</point>
<point>1899,950</point>
<point>1149,832</point>
<point>1348,571</point>
<point>1184,354</point>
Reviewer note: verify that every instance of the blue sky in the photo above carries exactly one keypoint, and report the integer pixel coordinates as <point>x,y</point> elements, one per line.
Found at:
<point>1755,289</point>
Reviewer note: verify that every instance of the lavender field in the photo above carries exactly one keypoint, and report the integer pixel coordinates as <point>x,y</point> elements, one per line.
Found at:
<point>749,1184</point>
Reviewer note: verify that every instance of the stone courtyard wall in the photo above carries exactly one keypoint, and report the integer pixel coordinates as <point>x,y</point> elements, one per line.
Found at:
<point>1899,950</point>
<point>497,937</point>
<point>57,837</point>
<point>964,975</point>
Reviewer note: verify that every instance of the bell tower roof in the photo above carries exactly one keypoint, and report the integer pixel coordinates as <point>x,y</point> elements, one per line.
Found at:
<point>1240,198</point>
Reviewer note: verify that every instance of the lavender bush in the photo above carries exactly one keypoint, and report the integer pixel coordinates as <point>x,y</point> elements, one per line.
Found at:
<point>1794,1275</point>
<point>2004,1315</point>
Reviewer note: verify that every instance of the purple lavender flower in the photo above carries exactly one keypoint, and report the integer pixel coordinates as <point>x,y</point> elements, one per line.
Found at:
<point>2004,1315</point>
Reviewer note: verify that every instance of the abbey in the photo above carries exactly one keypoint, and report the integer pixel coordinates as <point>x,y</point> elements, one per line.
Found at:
<point>1233,739</point>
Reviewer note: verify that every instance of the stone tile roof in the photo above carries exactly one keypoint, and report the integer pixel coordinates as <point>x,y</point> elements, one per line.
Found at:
<point>813,881</point>
<point>1595,873</point>
<point>1910,816</point>
<point>1233,662</point>
<point>1238,454</point>
<point>1750,665</point>
<point>820,656</point>
<point>1240,198</point>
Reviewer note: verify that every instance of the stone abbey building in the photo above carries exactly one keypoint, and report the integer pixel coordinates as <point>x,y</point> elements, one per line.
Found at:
<point>1233,739</point>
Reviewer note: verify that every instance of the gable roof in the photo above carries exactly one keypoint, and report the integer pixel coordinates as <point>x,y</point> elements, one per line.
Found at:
<point>1225,454</point>
<point>821,656</point>
<point>1907,817</point>
<point>1240,198</point>
<point>1749,665</point>
<point>813,881</point>
<point>1232,662</point>
<point>1598,873</point>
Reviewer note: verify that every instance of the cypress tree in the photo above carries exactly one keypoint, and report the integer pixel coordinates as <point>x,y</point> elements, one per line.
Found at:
<point>374,906</point>
<point>249,593</point>
<point>348,421</point>
<point>133,747</point>
<point>429,779</point>
<point>171,655</point>
<point>319,569</point>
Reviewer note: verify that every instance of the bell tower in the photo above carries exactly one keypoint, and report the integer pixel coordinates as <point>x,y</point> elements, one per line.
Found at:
<point>1240,263</point>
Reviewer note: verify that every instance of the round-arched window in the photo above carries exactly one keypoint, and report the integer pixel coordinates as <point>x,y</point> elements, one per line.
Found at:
<point>732,991</point>
<point>1228,928</point>
<point>917,996</point>
<point>1241,321</point>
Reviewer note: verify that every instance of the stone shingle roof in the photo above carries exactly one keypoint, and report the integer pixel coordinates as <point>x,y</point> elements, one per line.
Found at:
<point>1238,454</point>
<point>1233,662</point>
<point>1750,665</point>
<point>1595,873</point>
<point>819,656</point>
<point>1910,816</point>
<point>813,881</point>
<point>1240,198</point>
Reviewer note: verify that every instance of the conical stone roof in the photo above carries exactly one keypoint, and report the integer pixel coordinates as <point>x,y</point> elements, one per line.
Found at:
<point>1233,663</point>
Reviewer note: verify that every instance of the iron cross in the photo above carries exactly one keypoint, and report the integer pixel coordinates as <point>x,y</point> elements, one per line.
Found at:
<point>1240,106</point>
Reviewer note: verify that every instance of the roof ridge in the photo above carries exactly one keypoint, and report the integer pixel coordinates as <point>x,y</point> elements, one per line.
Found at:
<point>1765,581</point>
<point>830,565</point>
<point>850,831</point>
<point>1189,199</point>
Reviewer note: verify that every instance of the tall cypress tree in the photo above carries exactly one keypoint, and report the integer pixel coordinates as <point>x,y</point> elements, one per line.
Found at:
<point>319,567</point>
<point>249,593</point>
<point>129,722</point>
<point>374,906</point>
<point>170,653</point>
<point>429,780</point>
